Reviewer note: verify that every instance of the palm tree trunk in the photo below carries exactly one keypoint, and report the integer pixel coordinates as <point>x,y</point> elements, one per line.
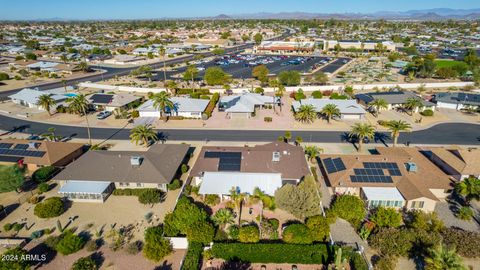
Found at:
<point>395,138</point>
<point>164,71</point>
<point>360,144</point>
<point>88,127</point>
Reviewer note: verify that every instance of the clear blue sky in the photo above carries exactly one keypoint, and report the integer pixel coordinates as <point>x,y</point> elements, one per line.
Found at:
<point>145,9</point>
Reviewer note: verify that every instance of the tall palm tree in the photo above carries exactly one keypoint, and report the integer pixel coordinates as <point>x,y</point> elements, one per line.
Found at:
<point>412,104</point>
<point>83,66</point>
<point>469,188</point>
<point>143,133</point>
<point>362,131</point>
<point>378,104</point>
<point>162,51</point>
<point>306,114</point>
<point>171,86</point>
<point>223,217</point>
<point>280,92</point>
<point>237,199</point>
<point>442,258</point>
<point>312,152</point>
<point>79,105</point>
<point>46,102</point>
<point>329,111</point>
<point>397,126</point>
<point>162,101</point>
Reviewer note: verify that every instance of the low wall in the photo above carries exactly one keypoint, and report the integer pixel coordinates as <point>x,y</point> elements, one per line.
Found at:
<point>121,88</point>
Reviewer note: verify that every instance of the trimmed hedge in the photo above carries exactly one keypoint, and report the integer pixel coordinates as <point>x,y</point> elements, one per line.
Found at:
<point>193,256</point>
<point>427,112</point>
<point>187,91</point>
<point>212,104</point>
<point>51,207</point>
<point>44,174</point>
<point>129,191</point>
<point>274,253</point>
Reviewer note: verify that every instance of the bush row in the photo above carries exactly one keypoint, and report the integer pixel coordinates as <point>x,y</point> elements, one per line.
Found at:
<point>274,253</point>
<point>193,256</point>
<point>44,174</point>
<point>188,91</point>
<point>212,104</point>
<point>129,191</point>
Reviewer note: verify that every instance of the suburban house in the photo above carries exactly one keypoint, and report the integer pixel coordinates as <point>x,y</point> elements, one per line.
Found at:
<point>29,97</point>
<point>244,105</point>
<point>93,177</point>
<point>183,106</point>
<point>284,47</point>
<point>111,102</point>
<point>36,154</point>
<point>124,59</point>
<point>459,163</point>
<point>267,167</point>
<point>395,177</point>
<point>395,99</point>
<point>457,100</point>
<point>349,109</point>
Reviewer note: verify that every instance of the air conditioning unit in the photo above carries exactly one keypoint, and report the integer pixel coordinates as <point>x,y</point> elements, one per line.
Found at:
<point>411,167</point>
<point>136,160</point>
<point>276,156</point>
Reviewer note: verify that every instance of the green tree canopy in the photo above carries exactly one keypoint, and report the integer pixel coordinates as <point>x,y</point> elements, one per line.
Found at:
<point>17,263</point>
<point>215,76</point>
<point>297,234</point>
<point>11,178</point>
<point>261,72</point>
<point>249,234</point>
<point>289,78</point>
<point>51,207</point>
<point>386,217</point>
<point>349,207</point>
<point>84,263</point>
<point>156,246</point>
<point>301,200</point>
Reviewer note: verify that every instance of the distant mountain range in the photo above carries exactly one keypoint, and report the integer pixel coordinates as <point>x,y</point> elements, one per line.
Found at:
<point>425,14</point>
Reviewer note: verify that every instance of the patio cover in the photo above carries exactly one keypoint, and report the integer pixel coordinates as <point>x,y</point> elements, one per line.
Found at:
<point>382,194</point>
<point>86,187</point>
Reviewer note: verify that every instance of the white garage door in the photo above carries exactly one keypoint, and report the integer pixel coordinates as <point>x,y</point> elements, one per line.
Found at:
<point>149,114</point>
<point>351,116</point>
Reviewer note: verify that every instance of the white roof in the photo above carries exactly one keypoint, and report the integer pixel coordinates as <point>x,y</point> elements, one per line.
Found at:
<point>42,65</point>
<point>181,104</point>
<point>88,187</point>
<point>31,96</point>
<point>178,242</point>
<point>222,182</point>
<point>348,106</point>
<point>382,193</point>
<point>245,102</point>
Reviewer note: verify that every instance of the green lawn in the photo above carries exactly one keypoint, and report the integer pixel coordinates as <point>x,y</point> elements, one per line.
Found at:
<point>447,63</point>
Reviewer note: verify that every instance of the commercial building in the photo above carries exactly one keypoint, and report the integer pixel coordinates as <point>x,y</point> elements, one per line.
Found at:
<point>285,47</point>
<point>359,45</point>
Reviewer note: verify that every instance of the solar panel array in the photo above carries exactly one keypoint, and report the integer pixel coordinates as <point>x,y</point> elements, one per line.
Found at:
<point>101,98</point>
<point>334,165</point>
<point>392,167</point>
<point>228,161</point>
<point>373,172</point>
<point>371,178</point>
<point>19,150</point>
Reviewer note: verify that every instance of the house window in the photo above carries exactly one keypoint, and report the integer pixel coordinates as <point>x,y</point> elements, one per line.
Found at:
<point>124,184</point>
<point>417,204</point>
<point>139,184</point>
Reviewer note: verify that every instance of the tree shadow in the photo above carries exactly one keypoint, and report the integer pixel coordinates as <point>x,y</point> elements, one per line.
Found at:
<point>381,137</point>
<point>42,249</point>
<point>164,266</point>
<point>235,265</point>
<point>98,258</point>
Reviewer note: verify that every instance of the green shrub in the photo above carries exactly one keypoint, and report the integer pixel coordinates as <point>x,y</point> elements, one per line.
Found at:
<point>43,187</point>
<point>317,94</point>
<point>134,247</point>
<point>466,243</point>
<point>427,112</point>
<point>212,199</point>
<point>37,234</point>
<point>187,91</point>
<point>175,184</point>
<point>44,174</point>
<point>249,234</point>
<point>319,227</point>
<point>338,96</point>
<point>84,263</point>
<point>349,207</point>
<point>129,191</point>
<point>205,97</point>
<point>18,226</point>
<point>184,168</point>
<point>386,217</point>
<point>69,243</point>
<point>465,213</point>
<point>91,245</point>
<point>150,196</point>
<point>267,119</point>
<point>259,90</point>
<point>4,76</point>
<point>297,234</point>
<point>357,262</point>
<point>135,114</point>
<point>7,227</point>
<point>51,207</point>
<point>193,256</point>
<point>233,232</point>
<point>212,104</point>
<point>156,246</point>
<point>273,253</point>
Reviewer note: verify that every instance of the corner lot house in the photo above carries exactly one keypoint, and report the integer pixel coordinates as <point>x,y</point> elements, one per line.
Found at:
<point>92,177</point>
<point>267,167</point>
<point>396,177</point>
<point>111,102</point>
<point>186,107</point>
<point>36,154</point>
<point>457,100</point>
<point>459,163</point>
<point>244,105</point>
<point>349,109</point>
<point>395,99</point>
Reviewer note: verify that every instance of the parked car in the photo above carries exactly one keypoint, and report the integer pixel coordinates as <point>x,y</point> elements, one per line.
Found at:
<point>35,138</point>
<point>103,115</point>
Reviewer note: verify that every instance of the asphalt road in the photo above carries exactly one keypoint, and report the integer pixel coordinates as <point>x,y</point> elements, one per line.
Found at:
<point>453,133</point>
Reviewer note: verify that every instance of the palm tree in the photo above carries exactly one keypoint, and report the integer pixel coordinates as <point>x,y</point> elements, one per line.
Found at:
<point>412,104</point>
<point>237,199</point>
<point>442,258</point>
<point>306,114</point>
<point>64,83</point>
<point>83,66</point>
<point>50,135</point>
<point>329,111</point>
<point>162,52</point>
<point>280,92</point>
<point>143,133</point>
<point>397,126</point>
<point>313,152</point>
<point>64,58</point>
<point>378,104</point>
<point>46,102</point>
<point>469,188</point>
<point>171,86</point>
<point>223,217</point>
<point>361,131</point>
<point>162,101</point>
<point>79,104</point>
<point>298,140</point>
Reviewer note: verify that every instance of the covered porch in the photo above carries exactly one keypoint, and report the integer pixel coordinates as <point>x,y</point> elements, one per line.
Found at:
<point>86,191</point>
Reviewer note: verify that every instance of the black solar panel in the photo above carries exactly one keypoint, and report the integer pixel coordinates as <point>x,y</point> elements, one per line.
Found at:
<point>368,171</point>
<point>6,145</point>
<point>228,161</point>
<point>339,164</point>
<point>394,172</point>
<point>21,153</point>
<point>21,146</point>
<point>101,98</point>
<point>371,179</point>
<point>334,165</point>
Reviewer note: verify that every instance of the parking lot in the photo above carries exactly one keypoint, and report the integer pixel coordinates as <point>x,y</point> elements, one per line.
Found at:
<point>240,65</point>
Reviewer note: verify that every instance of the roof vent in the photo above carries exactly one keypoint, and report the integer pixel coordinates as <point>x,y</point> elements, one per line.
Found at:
<point>411,167</point>
<point>32,145</point>
<point>136,160</point>
<point>276,156</point>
